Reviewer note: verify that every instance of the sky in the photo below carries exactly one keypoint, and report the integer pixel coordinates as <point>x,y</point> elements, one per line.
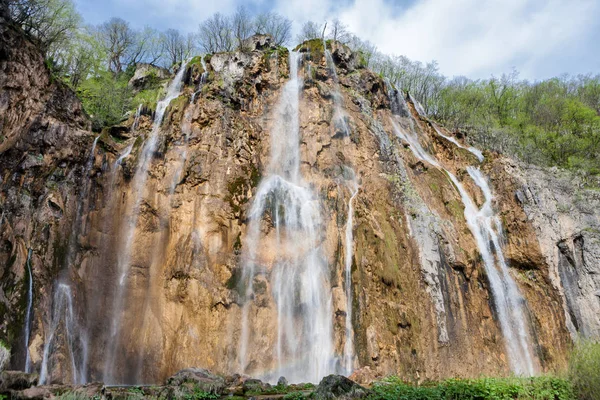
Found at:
<point>474,38</point>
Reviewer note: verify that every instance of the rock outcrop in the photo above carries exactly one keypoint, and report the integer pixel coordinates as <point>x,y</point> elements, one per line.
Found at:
<point>422,305</point>
<point>147,75</point>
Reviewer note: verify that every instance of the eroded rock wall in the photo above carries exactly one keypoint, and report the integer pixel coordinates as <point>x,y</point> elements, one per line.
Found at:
<point>422,306</point>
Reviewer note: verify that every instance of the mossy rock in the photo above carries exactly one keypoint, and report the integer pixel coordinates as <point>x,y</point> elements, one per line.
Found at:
<point>314,48</point>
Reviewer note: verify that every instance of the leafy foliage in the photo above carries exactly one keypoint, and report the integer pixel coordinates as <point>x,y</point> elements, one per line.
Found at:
<point>539,388</point>
<point>555,122</point>
<point>105,98</point>
<point>584,369</point>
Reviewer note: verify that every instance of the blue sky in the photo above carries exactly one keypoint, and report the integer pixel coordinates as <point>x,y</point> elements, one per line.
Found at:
<point>475,38</point>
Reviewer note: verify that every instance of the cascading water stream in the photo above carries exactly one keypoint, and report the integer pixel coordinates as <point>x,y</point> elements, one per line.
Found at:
<point>472,150</point>
<point>298,272</point>
<point>29,311</point>
<point>203,79</point>
<point>62,311</point>
<point>138,185</point>
<point>348,360</point>
<point>182,152</point>
<point>486,229</point>
<point>136,121</point>
<point>510,304</point>
<point>339,116</point>
<point>78,358</point>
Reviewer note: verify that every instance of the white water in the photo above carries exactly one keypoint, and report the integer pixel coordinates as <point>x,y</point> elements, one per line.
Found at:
<point>136,121</point>
<point>348,359</point>
<point>303,351</point>
<point>29,311</point>
<point>421,112</point>
<point>76,344</point>
<point>473,150</point>
<point>63,297</point>
<point>339,116</point>
<point>124,255</point>
<point>418,106</point>
<point>510,304</point>
<point>203,79</point>
<point>486,229</point>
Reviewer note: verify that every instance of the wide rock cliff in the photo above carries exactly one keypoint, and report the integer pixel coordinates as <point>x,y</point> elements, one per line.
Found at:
<point>138,240</point>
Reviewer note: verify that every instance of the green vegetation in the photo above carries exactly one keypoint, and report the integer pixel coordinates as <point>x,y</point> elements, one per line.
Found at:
<point>105,98</point>
<point>199,394</point>
<point>539,388</point>
<point>76,396</point>
<point>555,122</point>
<point>584,369</point>
<point>294,396</point>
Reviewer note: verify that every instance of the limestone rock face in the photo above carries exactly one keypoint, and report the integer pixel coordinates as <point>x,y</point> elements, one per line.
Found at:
<point>149,275</point>
<point>147,74</point>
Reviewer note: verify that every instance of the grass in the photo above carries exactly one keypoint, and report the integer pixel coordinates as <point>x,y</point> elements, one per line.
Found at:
<point>584,369</point>
<point>538,388</point>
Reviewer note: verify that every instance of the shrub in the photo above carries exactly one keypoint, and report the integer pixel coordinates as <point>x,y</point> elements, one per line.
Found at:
<point>4,355</point>
<point>538,388</point>
<point>584,369</point>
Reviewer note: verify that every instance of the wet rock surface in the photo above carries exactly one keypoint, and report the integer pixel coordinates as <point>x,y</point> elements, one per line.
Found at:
<point>422,307</point>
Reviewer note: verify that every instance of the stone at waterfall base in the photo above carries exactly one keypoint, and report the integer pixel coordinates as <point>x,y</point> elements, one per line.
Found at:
<point>186,383</point>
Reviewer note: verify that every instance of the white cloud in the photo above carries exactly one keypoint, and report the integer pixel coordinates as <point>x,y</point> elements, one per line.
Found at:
<point>467,37</point>
<point>477,37</point>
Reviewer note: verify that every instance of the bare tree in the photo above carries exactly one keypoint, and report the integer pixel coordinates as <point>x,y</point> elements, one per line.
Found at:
<point>310,30</point>
<point>279,27</point>
<point>339,31</point>
<point>118,40</point>
<point>242,26</point>
<point>147,47</point>
<point>215,34</point>
<point>176,46</point>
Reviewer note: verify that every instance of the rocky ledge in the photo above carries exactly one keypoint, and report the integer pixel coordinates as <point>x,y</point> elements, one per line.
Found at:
<point>191,383</point>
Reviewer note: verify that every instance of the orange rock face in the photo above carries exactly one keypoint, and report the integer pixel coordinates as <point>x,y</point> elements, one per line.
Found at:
<point>422,306</point>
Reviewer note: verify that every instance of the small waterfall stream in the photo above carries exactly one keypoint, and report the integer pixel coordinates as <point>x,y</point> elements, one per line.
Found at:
<point>29,311</point>
<point>124,254</point>
<point>339,119</point>
<point>348,358</point>
<point>62,300</point>
<point>76,343</point>
<point>486,228</point>
<point>294,266</point>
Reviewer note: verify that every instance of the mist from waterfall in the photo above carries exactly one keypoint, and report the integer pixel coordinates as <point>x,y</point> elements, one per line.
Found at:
<point>486,228</point>
<point>298,273</point>
<point>124,253</point>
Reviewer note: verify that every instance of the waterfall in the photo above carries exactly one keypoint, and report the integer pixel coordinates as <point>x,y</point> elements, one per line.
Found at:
<point>298,272</point>
<point>418,106</point>
<point>79,357</point>
<point>510,304</point>
<point>486,228</point>
<point>29,311</point>
<point>203,79</point>
<point>339,116</point>
<point>136,121</point>
<point>472,150</point>
<point>182,151</point>
<point>76,344</point>
<point>138,185</point>
<point>349,251</point>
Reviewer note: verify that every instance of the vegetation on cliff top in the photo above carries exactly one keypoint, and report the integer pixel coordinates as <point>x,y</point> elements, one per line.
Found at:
<point>555,122</point>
